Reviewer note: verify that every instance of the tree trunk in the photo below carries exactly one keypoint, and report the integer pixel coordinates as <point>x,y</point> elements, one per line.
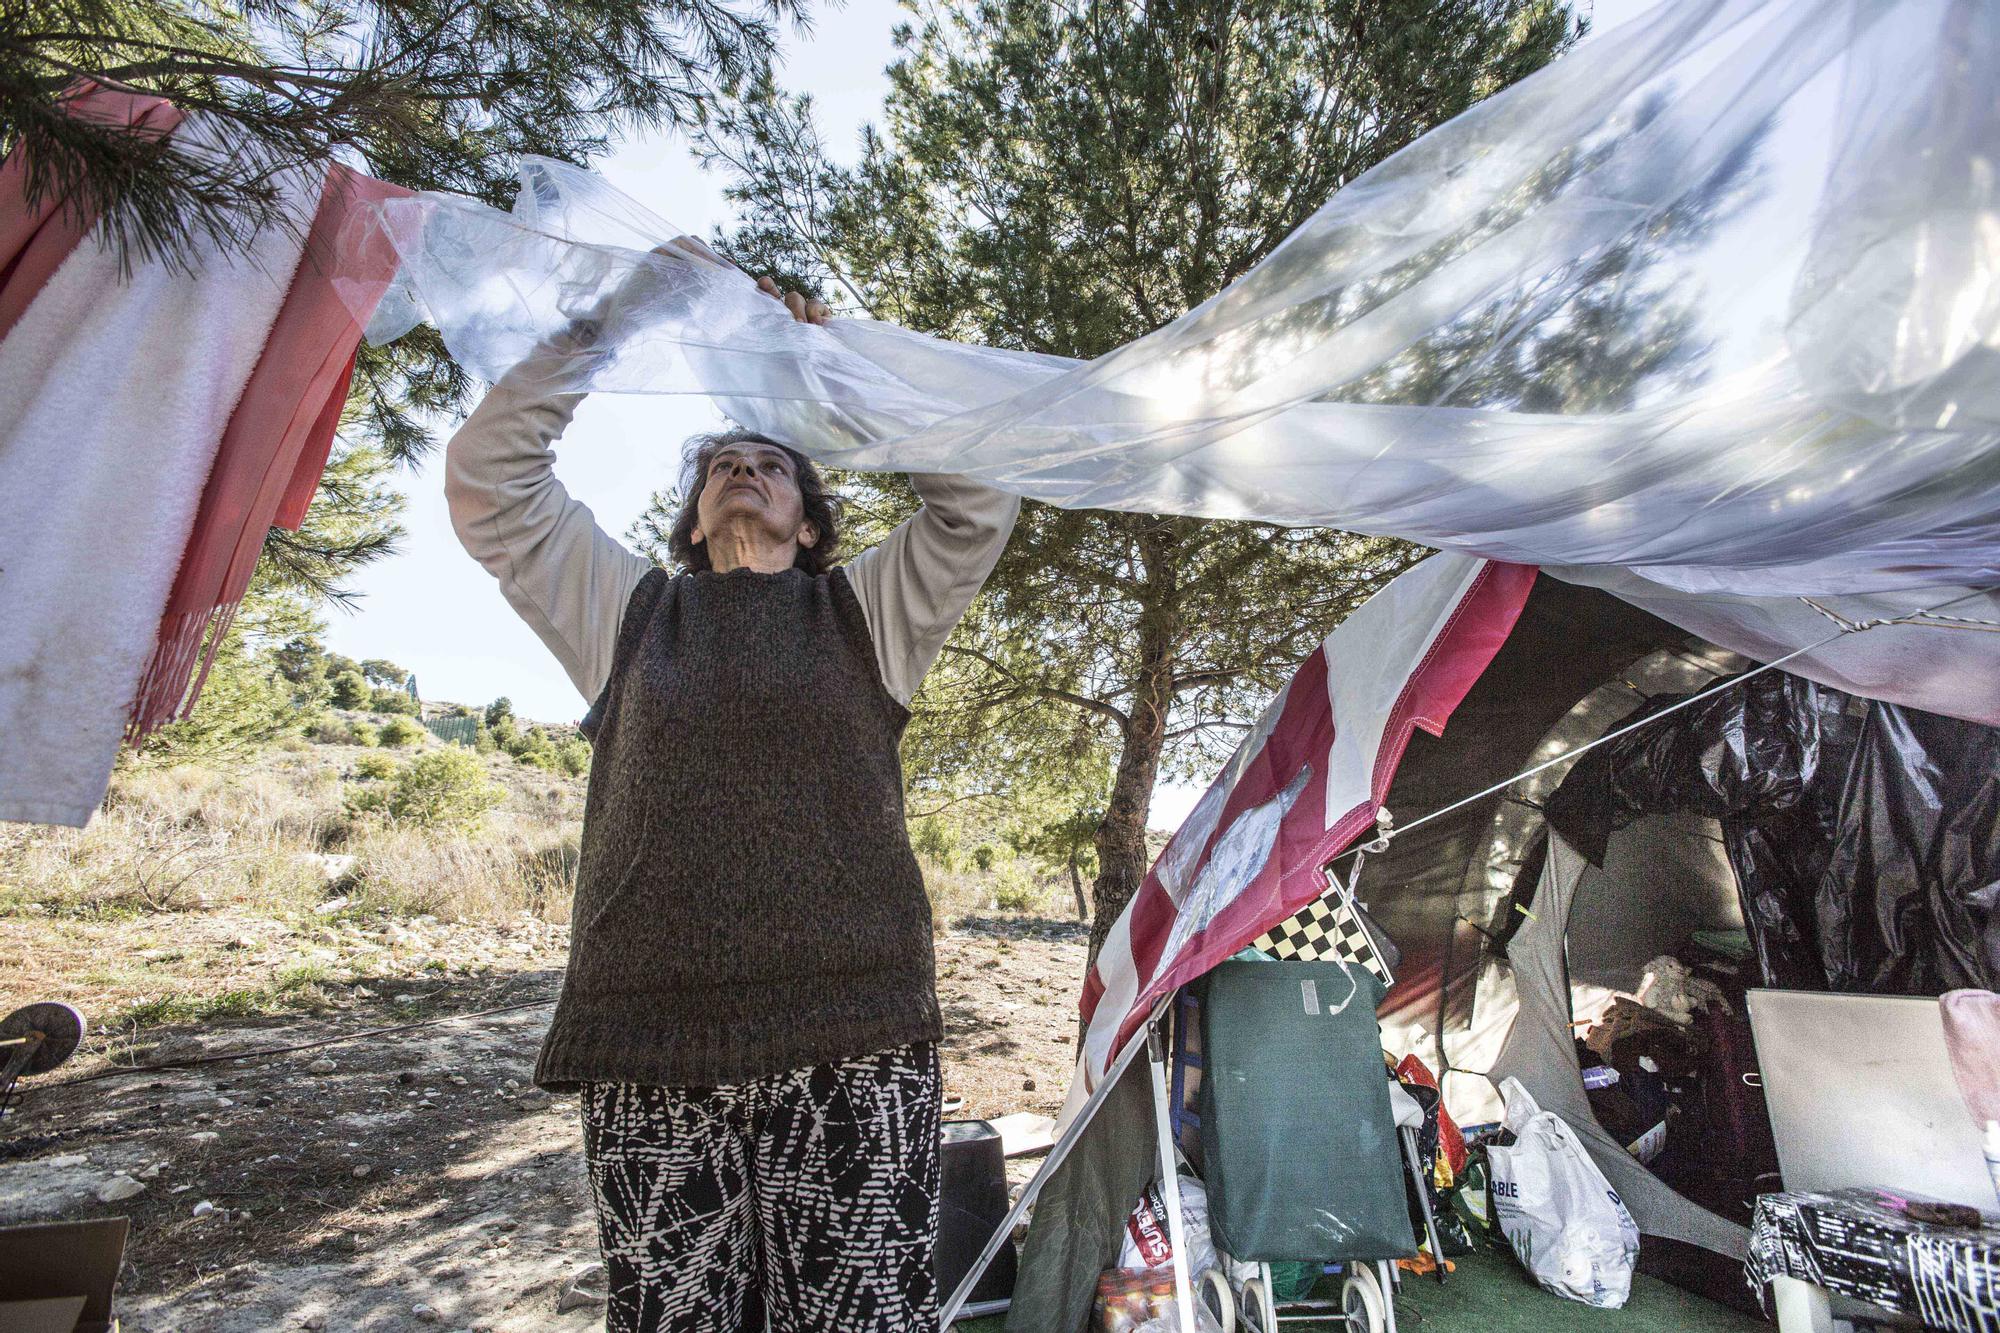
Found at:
<point>1076,887</point>
<point>1121,837</point>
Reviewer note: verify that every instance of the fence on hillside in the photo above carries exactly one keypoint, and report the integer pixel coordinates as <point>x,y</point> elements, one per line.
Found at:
<point>457,730</point>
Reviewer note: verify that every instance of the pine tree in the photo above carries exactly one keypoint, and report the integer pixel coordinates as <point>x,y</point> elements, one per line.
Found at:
<point>1062,179</point>
<point>383,673</point>
<point>429,94</point>
<point>432,94</point>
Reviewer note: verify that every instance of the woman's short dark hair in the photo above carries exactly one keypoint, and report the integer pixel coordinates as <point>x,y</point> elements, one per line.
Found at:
<point>822,506</point>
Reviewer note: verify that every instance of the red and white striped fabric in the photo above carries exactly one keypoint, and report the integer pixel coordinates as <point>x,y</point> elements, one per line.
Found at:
<point>1302,786</point>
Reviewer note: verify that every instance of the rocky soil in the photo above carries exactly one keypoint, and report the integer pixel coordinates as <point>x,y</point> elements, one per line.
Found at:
<point>409,1179</point>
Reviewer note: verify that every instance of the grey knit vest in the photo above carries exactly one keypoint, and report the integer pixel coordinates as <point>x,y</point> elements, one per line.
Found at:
<point>747,901</point>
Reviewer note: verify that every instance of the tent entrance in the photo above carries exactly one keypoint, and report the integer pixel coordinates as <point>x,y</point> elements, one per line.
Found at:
<point>1549,978</point>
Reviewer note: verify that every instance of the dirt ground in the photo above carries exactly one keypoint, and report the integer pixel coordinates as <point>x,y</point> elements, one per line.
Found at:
<point>413,1180</point>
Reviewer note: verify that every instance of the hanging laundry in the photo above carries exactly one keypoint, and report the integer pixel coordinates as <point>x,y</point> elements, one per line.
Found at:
<point>34,240</point>
<point>1706,312</point>
<point>127,445</point>
<point>277,444</point>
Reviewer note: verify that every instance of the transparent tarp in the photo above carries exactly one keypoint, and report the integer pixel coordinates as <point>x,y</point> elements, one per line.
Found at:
<point>1711,300</point>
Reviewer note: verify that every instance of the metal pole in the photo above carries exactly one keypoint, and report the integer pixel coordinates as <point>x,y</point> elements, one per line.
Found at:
<point>1414,1161</point>
<point>1170,1177</point>
<point>1049,1164</point>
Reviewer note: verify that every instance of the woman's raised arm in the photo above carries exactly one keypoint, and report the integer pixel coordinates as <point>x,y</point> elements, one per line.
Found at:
<point>566,576</point>
<point>916,583</point>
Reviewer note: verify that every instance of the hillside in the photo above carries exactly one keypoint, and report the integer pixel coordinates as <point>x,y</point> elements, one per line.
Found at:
<point>210,911</point>
<point>251,888</point>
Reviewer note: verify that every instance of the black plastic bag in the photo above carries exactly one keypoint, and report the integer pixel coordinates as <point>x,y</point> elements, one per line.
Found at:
<point>1865,838</point>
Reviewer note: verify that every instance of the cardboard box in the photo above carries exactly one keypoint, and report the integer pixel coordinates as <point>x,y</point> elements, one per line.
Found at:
<point>47,1262</point>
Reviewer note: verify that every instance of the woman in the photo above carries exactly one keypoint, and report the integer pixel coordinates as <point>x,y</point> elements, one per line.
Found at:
<point>750,1008</point>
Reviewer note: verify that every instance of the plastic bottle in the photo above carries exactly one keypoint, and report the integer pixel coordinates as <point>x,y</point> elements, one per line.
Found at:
<point>1992,1147</point>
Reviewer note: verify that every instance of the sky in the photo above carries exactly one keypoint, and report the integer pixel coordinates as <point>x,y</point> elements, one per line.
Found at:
<point>431,609</point>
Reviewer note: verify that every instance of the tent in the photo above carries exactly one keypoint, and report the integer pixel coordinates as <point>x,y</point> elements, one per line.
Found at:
<point>1667,828</point>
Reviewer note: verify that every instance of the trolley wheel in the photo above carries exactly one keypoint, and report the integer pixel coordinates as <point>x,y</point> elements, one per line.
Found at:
<point>1362,1303</point>
<point>1215,1295</point>
<point>1259,1310</point>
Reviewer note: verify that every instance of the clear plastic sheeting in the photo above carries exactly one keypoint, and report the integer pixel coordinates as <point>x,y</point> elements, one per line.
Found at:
<point>1714,296</point>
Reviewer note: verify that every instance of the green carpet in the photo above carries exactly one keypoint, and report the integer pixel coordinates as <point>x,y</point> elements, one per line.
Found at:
<point>1491,1294</point>
<point>1490,1291</point>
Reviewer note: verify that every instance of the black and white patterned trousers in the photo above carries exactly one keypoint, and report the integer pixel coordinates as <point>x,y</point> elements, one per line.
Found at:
<point>807,1200</point>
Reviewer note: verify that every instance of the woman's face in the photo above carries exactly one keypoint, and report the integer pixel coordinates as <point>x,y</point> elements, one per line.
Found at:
<point>752,486</point>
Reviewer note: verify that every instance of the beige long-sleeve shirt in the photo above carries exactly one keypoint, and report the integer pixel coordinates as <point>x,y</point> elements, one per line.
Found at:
<point>570,580</point>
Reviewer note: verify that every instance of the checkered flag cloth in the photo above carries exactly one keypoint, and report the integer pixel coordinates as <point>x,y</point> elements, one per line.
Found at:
<point>1330,928</point>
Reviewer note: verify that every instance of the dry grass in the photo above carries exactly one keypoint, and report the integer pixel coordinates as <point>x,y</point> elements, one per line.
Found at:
<point>1010,888</point>
<point>201,893</point>
<point>273,834</point>
<point>267,834</point>
<point>491,876</point>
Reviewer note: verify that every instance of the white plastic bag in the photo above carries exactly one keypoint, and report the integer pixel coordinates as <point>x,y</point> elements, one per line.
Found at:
<point>1567,1225</point>
<point>1147,1242</point>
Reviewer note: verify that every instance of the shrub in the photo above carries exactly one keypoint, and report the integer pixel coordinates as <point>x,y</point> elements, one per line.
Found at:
<point>349,690</point>
<point>574,756</point>
<point>364,734</point>
<point>386,700</point>
<point>540,756</point>
<point>375,767</point>
<point>1016,891</point>
<point>245,706</point>
<point>401,732</point>
<point>441,788</point>
<point>534,747</point>
<point>983,854</point>
<point>935,841</point>
<point>333,729</point>
<point>372,799</point>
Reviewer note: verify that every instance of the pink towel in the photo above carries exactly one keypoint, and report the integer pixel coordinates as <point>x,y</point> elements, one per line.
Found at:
<point>35,241</point>
<point>1972,1036</point>
<point>279,437</point>
<point>277,444</point>
<point>117,385</point>
<point>112,421</point>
